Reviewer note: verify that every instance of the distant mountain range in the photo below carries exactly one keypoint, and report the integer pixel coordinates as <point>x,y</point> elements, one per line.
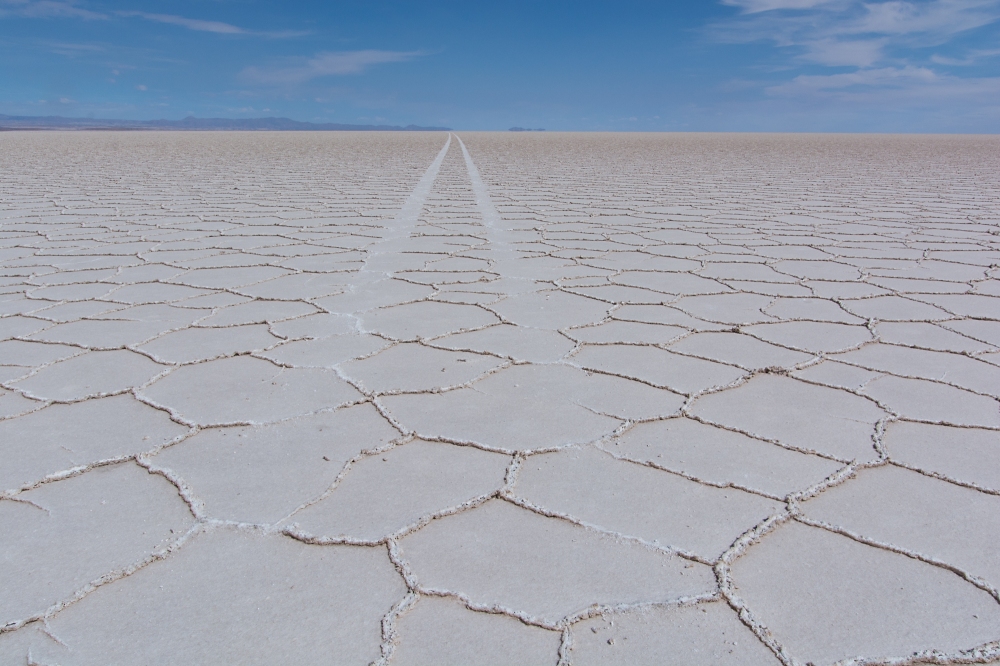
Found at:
<point>526,129</point>
<point>192,123</point>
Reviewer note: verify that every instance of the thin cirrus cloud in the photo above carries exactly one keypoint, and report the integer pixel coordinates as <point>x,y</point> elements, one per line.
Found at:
<point>839,33</point>
<point>974,57</point>
<point>71,9</point>
<point>191,24</point>
<point>218,27</point>
<point>891,77</point>
<point>756,6</point>
<point>881,45</point>
<point>329,63</point>
<point>793,21</point>
<point>943,17</point>
<point>896,85</point>
<point>47,9</point>
<point>839,52</point>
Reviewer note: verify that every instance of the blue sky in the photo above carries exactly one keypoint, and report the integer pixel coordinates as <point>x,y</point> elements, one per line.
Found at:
<point>746,65</point>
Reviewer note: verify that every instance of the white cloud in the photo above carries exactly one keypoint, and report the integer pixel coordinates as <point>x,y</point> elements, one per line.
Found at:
<point>972,58</point>
<point>73,49</point>
<point>329,63</point>
<point>908,23</point>
<point>836,53</point>
<point>940,17</point>
<point>880,49</point>
<point>893,88</point>
<point>755,6</point>
<point>853,33</point>
<point>46,9</point>
<point>71,46</point>
<point>217,27</point>
<point>191,24</point>
<point>883,77</point>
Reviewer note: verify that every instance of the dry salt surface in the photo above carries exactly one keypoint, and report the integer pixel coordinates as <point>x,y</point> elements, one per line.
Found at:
<point>499,399</point>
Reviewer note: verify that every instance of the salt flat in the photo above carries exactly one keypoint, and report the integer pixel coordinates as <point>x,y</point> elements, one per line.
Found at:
<point>431,398</point>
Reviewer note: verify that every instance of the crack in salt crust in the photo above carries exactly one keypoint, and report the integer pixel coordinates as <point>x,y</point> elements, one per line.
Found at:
<point>259,320</point>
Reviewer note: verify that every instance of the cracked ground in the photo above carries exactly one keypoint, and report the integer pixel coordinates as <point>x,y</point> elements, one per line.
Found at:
<point>430,398</point>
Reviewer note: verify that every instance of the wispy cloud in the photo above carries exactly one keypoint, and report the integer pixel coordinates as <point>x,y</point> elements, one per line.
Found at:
<point>72,9</point>
<point>890,87</point>
<point>73,49</point>
<point>329,63</point>
<point>895,77</point>
<point>843,52</point>
<point>189,23</point>
<point>817,27</point>
<point>47,9</point>
<point>217,27</point>
<point>937,18</point>
<point>754,6</point>
<point>973,57</point>
<point>877,52</point>
<point>853,33</point>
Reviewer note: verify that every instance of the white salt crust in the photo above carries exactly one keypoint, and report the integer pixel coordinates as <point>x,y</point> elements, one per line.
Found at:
<point>431,398</point>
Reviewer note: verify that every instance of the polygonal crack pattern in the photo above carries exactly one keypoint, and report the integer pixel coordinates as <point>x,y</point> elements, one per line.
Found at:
<point>416,398</point>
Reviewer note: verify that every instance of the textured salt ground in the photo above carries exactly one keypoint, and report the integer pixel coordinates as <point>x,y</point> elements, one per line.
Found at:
<point>489,398</point>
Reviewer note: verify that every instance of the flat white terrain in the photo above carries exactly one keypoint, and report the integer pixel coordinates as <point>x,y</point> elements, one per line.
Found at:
<point>431,398</point>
